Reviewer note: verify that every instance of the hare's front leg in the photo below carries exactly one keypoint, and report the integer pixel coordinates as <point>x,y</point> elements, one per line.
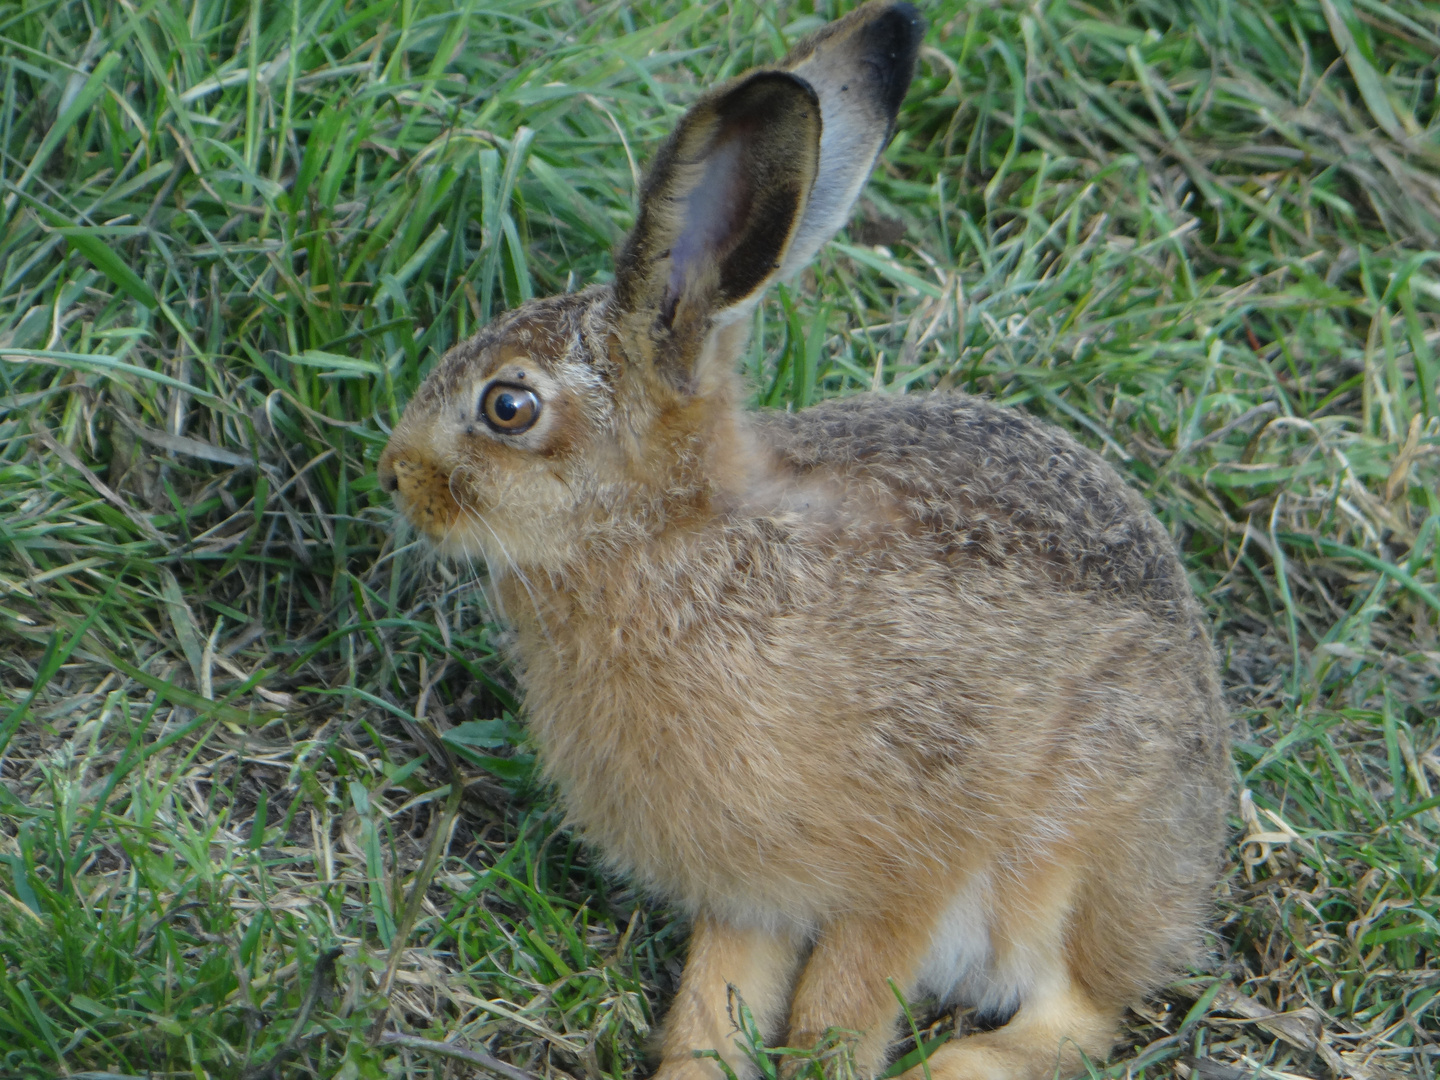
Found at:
<point>847,982</point>
<point>760,966</point>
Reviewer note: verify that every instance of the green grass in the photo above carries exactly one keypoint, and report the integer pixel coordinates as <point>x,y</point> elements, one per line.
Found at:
<point>233,238</point>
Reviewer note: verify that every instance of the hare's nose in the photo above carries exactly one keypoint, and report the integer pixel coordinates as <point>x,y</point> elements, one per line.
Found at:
<point>389,482</point>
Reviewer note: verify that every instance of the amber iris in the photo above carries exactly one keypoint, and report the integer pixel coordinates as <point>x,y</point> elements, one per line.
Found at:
<point>509,409</point>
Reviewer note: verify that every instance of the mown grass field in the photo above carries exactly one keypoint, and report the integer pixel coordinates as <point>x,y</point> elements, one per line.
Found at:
<point>242,716</point>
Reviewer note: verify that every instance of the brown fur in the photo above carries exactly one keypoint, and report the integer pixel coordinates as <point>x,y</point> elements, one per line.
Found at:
<point>906,688</point>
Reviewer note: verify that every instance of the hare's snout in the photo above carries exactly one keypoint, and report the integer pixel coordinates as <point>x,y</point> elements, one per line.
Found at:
<point>421,489</point>
<point>387,477</point>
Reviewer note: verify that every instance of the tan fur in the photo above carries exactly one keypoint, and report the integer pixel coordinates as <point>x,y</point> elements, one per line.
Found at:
<point>1047,1037</point>
<point>906,688</point>
<point>728,965</point>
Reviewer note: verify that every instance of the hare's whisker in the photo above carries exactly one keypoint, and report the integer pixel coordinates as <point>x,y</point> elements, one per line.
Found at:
<point>520,574</point>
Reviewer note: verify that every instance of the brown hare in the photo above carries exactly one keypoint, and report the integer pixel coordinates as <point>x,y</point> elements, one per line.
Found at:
<point>897,688</point>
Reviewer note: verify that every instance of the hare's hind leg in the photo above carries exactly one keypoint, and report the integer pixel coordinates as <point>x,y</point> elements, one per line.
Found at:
<point>1045,1038</point>
<point>760,966</point>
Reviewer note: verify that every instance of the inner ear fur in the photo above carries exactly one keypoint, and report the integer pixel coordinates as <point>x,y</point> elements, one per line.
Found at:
<point>718,210</point>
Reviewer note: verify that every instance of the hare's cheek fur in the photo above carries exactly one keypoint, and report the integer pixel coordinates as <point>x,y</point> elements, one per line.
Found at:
<point>892,692</point>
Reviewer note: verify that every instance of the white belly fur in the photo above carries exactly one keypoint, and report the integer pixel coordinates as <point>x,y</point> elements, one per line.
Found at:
<point>963,967</point>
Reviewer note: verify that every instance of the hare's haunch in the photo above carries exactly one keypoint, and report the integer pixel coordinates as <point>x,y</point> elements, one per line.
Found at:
<point>895,688</point>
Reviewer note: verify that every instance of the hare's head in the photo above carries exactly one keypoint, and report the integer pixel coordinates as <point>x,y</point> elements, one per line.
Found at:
<point>583,421</point>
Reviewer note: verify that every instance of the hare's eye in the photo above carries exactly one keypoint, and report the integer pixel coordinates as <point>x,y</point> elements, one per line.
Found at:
<point>509,409</point>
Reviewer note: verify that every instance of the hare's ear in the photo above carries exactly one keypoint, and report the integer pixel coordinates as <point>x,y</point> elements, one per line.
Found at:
<point>859,67</point>
<point>718,211</point>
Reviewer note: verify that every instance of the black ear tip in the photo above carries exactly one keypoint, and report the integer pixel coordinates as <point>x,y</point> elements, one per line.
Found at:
<point>899,29</point>
<point>893,41</point>
<point>908,14</point>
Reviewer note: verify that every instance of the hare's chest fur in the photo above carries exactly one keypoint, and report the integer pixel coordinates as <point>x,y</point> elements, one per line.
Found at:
<point>685,749</point>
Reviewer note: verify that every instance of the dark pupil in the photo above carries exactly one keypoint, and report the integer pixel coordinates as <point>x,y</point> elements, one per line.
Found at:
<point>505,407</point>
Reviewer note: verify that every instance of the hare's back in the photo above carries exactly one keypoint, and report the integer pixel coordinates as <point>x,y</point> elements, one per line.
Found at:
<point>995,489</point>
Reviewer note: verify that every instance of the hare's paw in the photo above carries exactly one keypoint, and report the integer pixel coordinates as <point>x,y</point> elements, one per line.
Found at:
<point>699,1068</point>
<point>1051,1035</point>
